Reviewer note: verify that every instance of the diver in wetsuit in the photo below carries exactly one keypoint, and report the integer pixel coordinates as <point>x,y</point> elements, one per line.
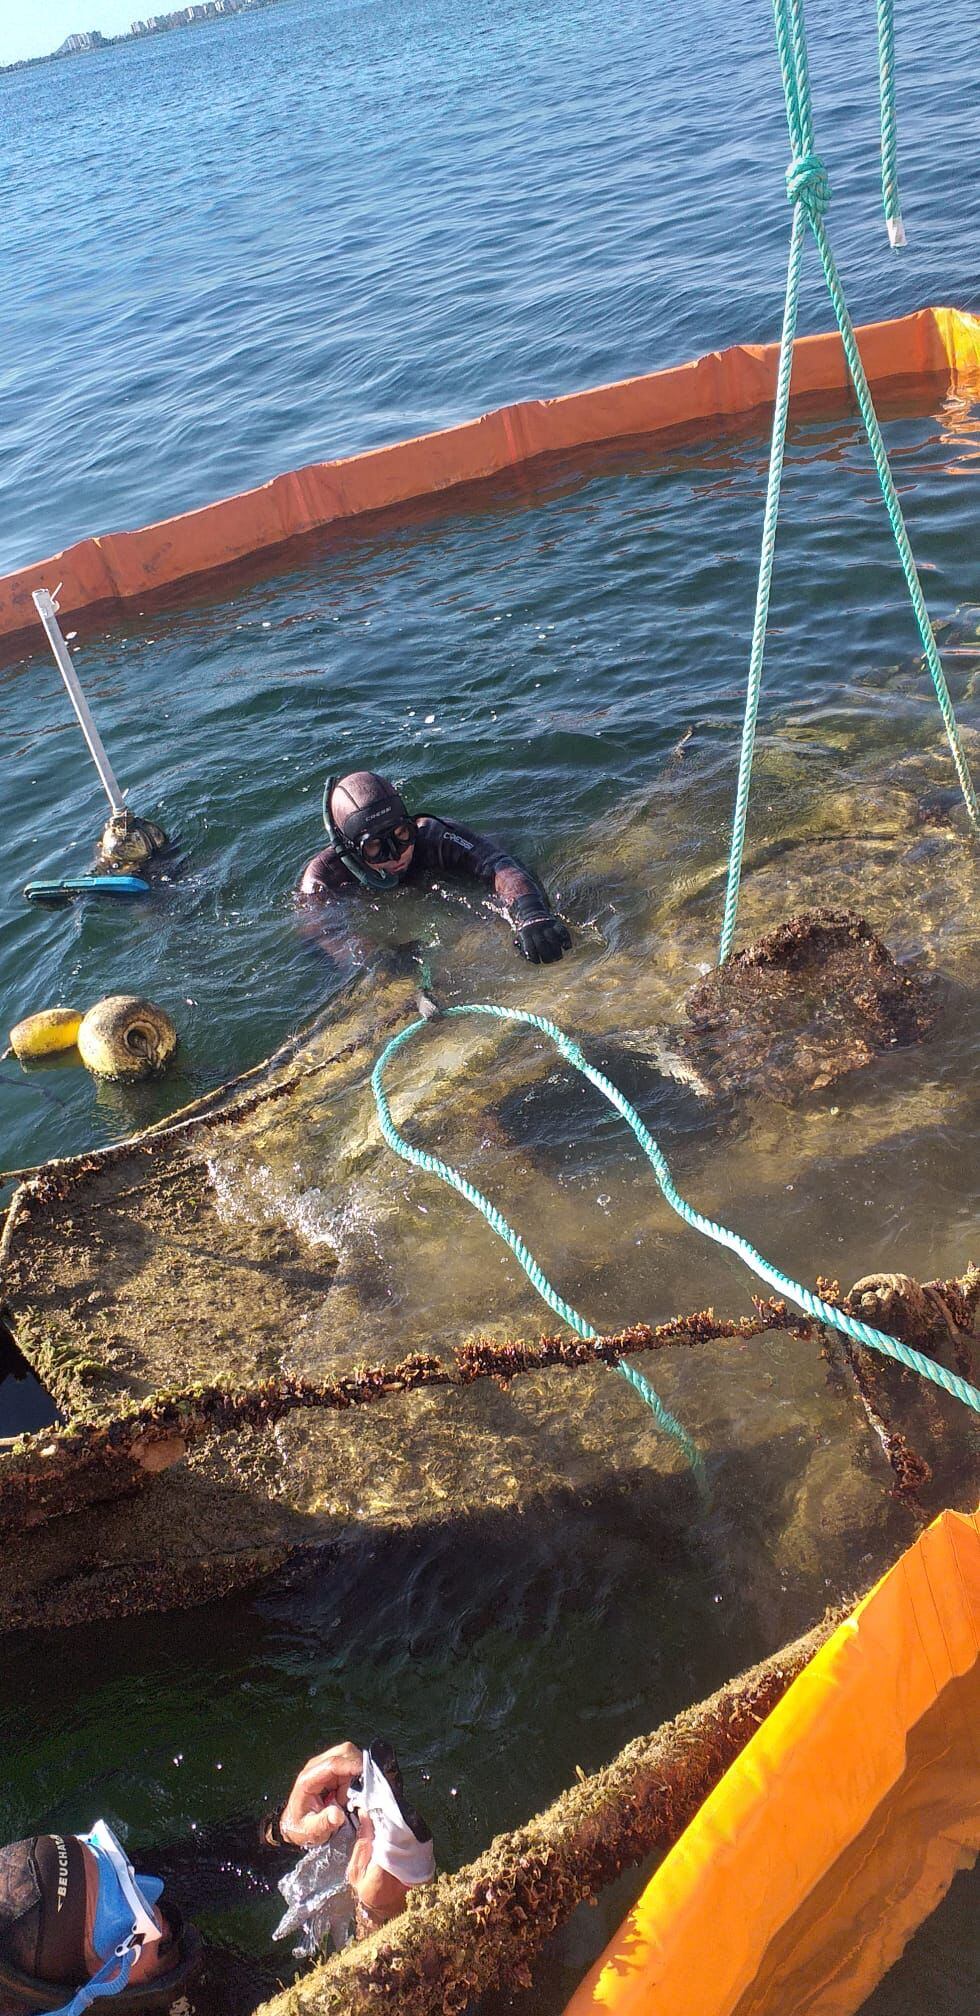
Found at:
<point>374,840</point>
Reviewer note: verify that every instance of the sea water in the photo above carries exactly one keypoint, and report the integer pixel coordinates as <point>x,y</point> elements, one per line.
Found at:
<point>233,249</point>
<point>288,236</point>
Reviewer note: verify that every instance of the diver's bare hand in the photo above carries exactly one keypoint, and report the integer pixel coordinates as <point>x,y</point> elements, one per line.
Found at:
<point>317,1804</point>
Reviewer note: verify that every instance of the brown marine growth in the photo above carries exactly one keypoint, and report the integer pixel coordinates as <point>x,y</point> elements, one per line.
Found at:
<point>54,1471</point>
<point>815,998</point>
<point>927,1314</point>
<point>174,1286</point>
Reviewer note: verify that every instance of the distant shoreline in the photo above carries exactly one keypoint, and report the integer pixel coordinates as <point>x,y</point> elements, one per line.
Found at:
<point>155,24</point>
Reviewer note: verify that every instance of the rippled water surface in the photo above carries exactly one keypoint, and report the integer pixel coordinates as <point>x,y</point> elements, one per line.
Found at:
<point>530,662</point>
<point>240,248</point>
<point>249,245</point>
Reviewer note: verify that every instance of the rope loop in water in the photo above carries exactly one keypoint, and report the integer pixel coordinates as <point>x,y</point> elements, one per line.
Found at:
<point>434,1166</point>
<point>794,1291</point>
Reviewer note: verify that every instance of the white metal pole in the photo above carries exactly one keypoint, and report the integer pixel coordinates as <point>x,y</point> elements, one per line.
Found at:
<point>47,609</point>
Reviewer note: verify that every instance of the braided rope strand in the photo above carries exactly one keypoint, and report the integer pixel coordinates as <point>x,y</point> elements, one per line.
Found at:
<point>889,130</point>
<point>761,619</point>
<point>808,189</point>
<point>880,455</point>
<point>801,71</point>
<point>434,1166</point>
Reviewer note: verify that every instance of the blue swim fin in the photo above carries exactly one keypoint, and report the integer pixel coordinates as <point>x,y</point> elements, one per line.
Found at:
<point>86,885</point>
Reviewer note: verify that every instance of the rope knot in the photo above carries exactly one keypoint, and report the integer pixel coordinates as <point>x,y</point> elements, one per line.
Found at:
<point>807,182</point>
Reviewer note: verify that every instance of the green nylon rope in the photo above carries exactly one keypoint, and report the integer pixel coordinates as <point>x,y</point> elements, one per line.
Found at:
<point>813,1305</point>
<point>808,190</point>
<point>434,1166</point>
<point>761,619</point>
<point>889,132</point>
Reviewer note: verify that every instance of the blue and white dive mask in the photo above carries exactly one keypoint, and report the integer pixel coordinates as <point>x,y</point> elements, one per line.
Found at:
<point>124,1920</point>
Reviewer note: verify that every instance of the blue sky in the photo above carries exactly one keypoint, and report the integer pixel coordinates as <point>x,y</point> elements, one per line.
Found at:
<point>41,25</point>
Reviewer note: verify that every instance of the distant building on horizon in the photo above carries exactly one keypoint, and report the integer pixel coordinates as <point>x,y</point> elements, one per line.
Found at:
<point>206,10</point>
<point>82,43</point>
<point>76,45</point>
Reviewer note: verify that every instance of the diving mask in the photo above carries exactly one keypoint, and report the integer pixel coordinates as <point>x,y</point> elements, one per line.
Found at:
<point>70,1902</point>
<point>124,1919</point>
<point>370,836</point>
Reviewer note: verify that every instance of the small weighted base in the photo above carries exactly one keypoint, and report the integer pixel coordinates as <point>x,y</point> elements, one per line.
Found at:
<point>126,841</point>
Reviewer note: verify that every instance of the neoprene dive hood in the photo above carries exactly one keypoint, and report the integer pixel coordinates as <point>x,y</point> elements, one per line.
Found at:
<point>367,823</point>
<point>45,1908</point>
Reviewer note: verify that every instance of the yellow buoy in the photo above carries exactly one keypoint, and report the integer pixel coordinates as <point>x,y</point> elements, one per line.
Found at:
<point>126,1037</point>
<point>41,1034</point>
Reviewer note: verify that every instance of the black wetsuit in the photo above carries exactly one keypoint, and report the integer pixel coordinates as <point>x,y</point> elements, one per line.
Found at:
<point>444,843</point>
<point>440,844</point>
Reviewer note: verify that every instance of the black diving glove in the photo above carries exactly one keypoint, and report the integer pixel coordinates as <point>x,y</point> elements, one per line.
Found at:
<point>541,938</point>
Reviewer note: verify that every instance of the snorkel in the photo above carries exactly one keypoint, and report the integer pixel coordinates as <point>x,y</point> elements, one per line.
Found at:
<point>375,823</point>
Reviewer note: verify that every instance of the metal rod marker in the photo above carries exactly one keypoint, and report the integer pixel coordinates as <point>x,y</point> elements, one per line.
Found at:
<point>47,609</point>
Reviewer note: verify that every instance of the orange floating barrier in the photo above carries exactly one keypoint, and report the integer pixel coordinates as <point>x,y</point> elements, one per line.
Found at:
<point>120,568</point>
<point>838,1828</point>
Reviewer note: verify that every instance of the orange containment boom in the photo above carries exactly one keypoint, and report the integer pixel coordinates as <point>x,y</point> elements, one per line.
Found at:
<point>124,567</point>
<point>839,1827</point>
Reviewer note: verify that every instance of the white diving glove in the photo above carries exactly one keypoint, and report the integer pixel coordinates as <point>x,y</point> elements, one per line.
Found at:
<point>402,1841</point>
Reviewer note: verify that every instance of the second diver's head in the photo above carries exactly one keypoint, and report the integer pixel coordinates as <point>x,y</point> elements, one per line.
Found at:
<point>76,1923</point>
<point>373,834</point>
